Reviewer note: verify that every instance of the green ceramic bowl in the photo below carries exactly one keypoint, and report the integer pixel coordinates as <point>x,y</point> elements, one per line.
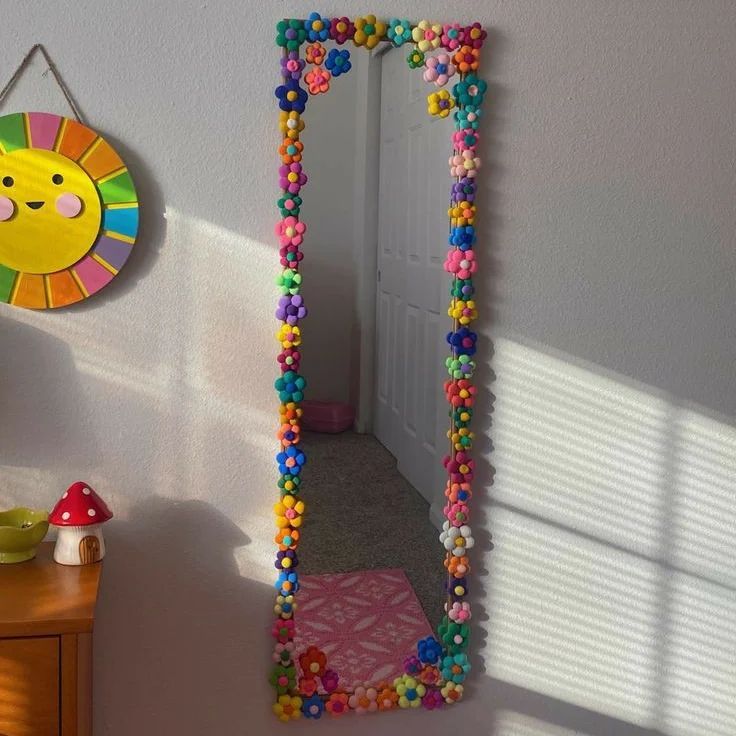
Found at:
<point>21,531</point>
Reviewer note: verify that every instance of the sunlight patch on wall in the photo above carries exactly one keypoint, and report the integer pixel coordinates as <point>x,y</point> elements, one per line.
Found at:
<point>509,723</point>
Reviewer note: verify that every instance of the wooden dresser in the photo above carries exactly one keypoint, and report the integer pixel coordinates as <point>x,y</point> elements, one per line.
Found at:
<point>46,619</point>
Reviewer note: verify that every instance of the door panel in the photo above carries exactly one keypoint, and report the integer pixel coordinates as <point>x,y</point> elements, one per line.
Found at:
<point>29,687</point>
<point>410,413</point>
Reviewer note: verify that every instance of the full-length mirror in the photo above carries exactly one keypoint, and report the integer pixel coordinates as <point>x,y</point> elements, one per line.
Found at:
<point>376,242</point>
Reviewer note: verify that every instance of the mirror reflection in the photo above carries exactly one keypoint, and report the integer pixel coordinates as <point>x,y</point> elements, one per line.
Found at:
<point>374,429</point>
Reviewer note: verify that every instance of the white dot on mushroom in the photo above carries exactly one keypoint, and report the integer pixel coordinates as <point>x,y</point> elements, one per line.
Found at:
<point>65,515</point>
<point>86,491</point>
<point>91,512</point>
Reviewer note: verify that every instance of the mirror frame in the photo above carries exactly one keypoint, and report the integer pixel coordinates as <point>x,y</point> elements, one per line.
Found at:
<point>434,677</point>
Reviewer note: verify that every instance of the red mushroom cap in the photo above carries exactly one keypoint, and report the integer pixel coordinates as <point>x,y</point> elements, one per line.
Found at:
<point>79,506</point>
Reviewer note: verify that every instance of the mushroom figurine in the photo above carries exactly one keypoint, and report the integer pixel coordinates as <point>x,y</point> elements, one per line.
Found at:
<point>79,515</point>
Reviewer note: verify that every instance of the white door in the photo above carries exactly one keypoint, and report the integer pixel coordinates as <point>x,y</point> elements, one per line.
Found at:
<point>410,413</point>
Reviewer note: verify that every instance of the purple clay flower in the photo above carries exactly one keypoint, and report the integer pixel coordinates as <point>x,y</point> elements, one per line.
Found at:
<point>292,66</point>
<point>291,309</point>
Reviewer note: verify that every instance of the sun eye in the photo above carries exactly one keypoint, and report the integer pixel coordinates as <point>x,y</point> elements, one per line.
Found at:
<point>57,179</point>
<point>8,181</point>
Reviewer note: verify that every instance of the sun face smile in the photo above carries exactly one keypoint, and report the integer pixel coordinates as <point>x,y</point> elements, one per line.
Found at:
<point>50,211</point>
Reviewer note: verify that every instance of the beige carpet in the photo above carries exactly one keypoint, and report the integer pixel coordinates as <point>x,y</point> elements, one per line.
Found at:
<point>363,515</point>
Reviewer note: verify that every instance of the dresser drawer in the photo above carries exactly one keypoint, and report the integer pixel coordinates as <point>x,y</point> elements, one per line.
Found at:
<point>29,687</point>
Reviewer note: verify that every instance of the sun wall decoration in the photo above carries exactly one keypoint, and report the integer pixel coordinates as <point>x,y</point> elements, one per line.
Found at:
<point>448,56</point>
<point>68,211</point>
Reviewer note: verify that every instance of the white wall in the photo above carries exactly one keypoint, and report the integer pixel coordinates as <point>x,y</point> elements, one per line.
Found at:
<point>608,254</point>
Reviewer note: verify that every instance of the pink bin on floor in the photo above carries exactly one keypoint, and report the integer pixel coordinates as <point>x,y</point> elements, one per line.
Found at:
<point>327,416</point>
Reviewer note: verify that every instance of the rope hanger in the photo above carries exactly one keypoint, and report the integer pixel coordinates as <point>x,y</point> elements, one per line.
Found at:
<point>52,68</point>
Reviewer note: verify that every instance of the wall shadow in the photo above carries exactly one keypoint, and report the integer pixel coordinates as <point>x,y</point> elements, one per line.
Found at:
<point>175,640</point>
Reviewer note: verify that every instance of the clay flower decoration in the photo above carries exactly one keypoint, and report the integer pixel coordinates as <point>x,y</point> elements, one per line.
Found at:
<point>289,359</point>
<point>337,704</point>
<point>315,53</point>
<point>429,650</point>
<point>292,178</point>
<point>457,513</point>
<point>289,509</point>
<point>474,35</point>
<point>454,636</point>
<point>458,612</point>
<point>462,288</point>
<point>291,151</point>
<point>465,139</point>
<point>388,698</point>
<point>466,59</point>
<point>470,91</point>
<point>399,31</point>
<point>461,367</point>
<point>287,581</point>
<point>290,34</point>
<point>368,31</point>
<point>329,680</point>
<point>291,124</point>
<point>468,117</point>
<point>290,281</point>
<point>456,539</point>
<point>313,662</point>
<point>341,30</point>
<point>440,103</point>
<point>318,81</point>
<point>290,231</point>
<point>290,461</point>
<point>288,434</point>
<point>461,439</point>
<point>291,309</point>
<point>282,653</point>
<point>289,484</point>
<point>433,699</point>
<point>453,35</point>
<point>410,691</point>
<point>289,204</point>
<point>452,692</point>
<point>285,606</point>
<point>458,589</point>
<point>461,417</point>
<point>292,98</point>
<point>289,337</point>
<point>415,59</point>
<point>460,469</point>
<point>427,35</point>
<point>462,237</point>
<point>307,686</point>
<point>440,69</point>
<point>317,27</point>
<point>290,385</point>
<point>459,492</point>
<point>464,164</point>
<point>363,700</point>
<point>287,538</point>
<point>290,257</point>
<point>462,341</point>
<point>460,393</point>
<point>292,66</point>
<point>313,707</point>
<point>463,265</point>
<point>461,213</point>
<point>412,665</point>
<point>455,668</point>
<point>288,707</point>
<point>286,560</point>
<point>457,566</point>
<point>338,62</point>
<point>429,675</point>
<point>464,190</point>
<point>283,631</point>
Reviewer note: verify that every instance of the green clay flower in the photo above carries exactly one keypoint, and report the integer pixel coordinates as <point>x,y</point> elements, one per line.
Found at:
<point>415,59</point>
<point>289,204</point>
<point>460,367</point>
<point>290,281</point>
<point>470,91</point>
<point>290,34</point>
<point>283,678</point>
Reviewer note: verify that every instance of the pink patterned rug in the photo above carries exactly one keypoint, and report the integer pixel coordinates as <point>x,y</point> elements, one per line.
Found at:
<point>366,622</point>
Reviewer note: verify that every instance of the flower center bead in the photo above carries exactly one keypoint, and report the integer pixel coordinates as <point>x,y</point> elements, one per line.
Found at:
<point>399,30</point>
<point>317,25</point>
<point>292,177</point>
<point>342,27</point>
<point>473,90</point>
<point>430,35</point>
<point>369,29</point>
<point>290,34</point>
<point>441,68</point>
<point>291,95</point>
<point>411,694</point>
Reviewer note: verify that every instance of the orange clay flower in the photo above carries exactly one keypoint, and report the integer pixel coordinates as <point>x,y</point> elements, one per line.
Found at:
<point>289,434</point>
<point>457,566</point>
<point>318,80</point>
<point>337,705</point>
<point>316,53</point>
<point>291,151</point>
<point>290,413</point>
<point>466,59</point>
<point>387,697</point>
<point>287,538</point>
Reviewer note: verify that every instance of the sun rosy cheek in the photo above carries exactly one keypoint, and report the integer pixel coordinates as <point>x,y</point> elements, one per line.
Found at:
<point>7,208</point>
<point>68,205</point>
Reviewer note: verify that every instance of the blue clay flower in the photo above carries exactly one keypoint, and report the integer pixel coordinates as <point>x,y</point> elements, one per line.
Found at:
<point>470,91</point>
<point>338,62</point>
<point>462,237</point>
<point>291,460</point>
<point>317,27</point>
<point>429,650</point>
<point>287,583</point>
<point>462,341</point>
<point>291,97</point>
